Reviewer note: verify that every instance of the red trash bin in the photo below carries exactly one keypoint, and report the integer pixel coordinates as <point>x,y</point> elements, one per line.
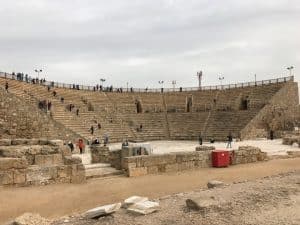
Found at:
<point>220,158</point>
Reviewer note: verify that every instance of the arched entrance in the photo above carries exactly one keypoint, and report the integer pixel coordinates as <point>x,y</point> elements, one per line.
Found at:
<point>138,106</point>
<point>189,104</point>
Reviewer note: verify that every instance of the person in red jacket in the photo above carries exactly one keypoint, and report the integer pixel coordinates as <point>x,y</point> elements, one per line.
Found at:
<point>80,145</point>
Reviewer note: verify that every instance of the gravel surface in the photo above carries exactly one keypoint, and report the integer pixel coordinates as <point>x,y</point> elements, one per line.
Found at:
<point>267,201</point>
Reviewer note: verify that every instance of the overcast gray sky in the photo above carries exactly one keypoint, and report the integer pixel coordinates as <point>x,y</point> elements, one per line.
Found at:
<point>143,41</point>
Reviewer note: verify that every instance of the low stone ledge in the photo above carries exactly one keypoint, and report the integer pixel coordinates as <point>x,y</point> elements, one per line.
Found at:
<point>70,160</point>
<point>13,163</point>
<point>205,148</point>
<point>5,142</point>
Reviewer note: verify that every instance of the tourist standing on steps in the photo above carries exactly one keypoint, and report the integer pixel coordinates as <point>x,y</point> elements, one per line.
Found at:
<point>105,139</point>
<point>71,146</point>
<point>49,105</point>
<point>229,140</point>
<point>80,145</point>
<point>6,87</point>
<point>77,112</point>
<point>271,134</point>
<point>92,130</point>
<point>200,139</point>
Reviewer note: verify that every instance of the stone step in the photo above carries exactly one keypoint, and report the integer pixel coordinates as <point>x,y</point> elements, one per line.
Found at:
<point>102,172</point>
<point>97,165</point>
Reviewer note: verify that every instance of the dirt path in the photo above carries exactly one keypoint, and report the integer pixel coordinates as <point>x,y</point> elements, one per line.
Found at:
<point>58,200</point>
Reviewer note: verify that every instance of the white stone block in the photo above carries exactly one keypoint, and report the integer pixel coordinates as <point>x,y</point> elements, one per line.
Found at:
<point>133,200</point>
<point>144,208</point>
<point>103,210</point>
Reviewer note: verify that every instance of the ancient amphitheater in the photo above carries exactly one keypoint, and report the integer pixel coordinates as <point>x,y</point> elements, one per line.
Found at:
<point>162,127</point>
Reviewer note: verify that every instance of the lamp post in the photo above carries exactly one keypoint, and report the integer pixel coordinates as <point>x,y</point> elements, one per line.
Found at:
<point>255,78</point>
<point>102,81</point>
<point>199,75</point>
<point>221,80</point>
<point>290,68</point>
<point>38,72</point>
<point>174,84</point>
<point>161,82</point>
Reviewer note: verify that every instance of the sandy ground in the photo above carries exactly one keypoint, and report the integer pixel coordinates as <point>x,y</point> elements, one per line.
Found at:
<point>274,147</point>
<point>64,199</point>
<point>269,201</point>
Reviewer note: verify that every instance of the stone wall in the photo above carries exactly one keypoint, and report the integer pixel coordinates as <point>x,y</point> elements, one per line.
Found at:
<point>278,115</point>
<point>247,154</point>
<point>21,119</point>
<point>26,162</point>
<point>115,159</point>
<point>174,162</point>
<point>100,154</point>
<point>182,161</point>
<point>291,139</point>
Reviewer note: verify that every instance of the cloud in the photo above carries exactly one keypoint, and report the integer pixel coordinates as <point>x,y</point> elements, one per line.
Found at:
<point>143,41</point>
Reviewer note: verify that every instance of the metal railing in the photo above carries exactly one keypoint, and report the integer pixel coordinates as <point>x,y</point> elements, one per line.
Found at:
<point>150,90</point>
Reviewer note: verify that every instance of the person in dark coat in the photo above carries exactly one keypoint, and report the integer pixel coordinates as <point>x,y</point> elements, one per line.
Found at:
<point>200,139</point>
<point>92,130</point>
<point>6,87</point>
<point>271,134</point>
<point>229,140</point>
<point>71,146</point>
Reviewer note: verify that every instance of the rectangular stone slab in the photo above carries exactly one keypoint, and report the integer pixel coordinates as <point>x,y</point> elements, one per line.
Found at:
<point>103,210</point>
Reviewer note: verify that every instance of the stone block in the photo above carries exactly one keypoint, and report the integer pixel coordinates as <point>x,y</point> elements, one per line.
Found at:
<point>129,166</point>
<point>64,172</point>
<point>294,153</point>
<point>36,174</point>
<point>6,177</point>
<point>154,160</point>
<point>205,148</point>
<point>136,172</point>
<point>186,166</point>
<point>57,159</point>
<point>44,160</point>
<point>103,210</point>
<point>78,177</point>
<point>186,156</point>
<point>19,176</point>
<point>58,143</point>
<point>69,160</point>
<point>19,141</point>
<point>39,160</point>
<point>144,208</point>
<point>13,163</point>
<point>32,141</point>
<point>34,150</point>
<point>30,159</point>
<point>47,150</point>
<point>43,141</point>
<point>215,184</point>
<point>65,150</point>
<point>5,142</point>
<point>152,170</point>
<point>171,167</point>
<point>133,200</point>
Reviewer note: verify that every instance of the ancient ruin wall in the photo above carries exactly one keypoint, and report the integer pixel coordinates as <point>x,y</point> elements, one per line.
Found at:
<point>20,119</point>
<point>278,115</point>
<point>182,161</point>
<point>25,162</point>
